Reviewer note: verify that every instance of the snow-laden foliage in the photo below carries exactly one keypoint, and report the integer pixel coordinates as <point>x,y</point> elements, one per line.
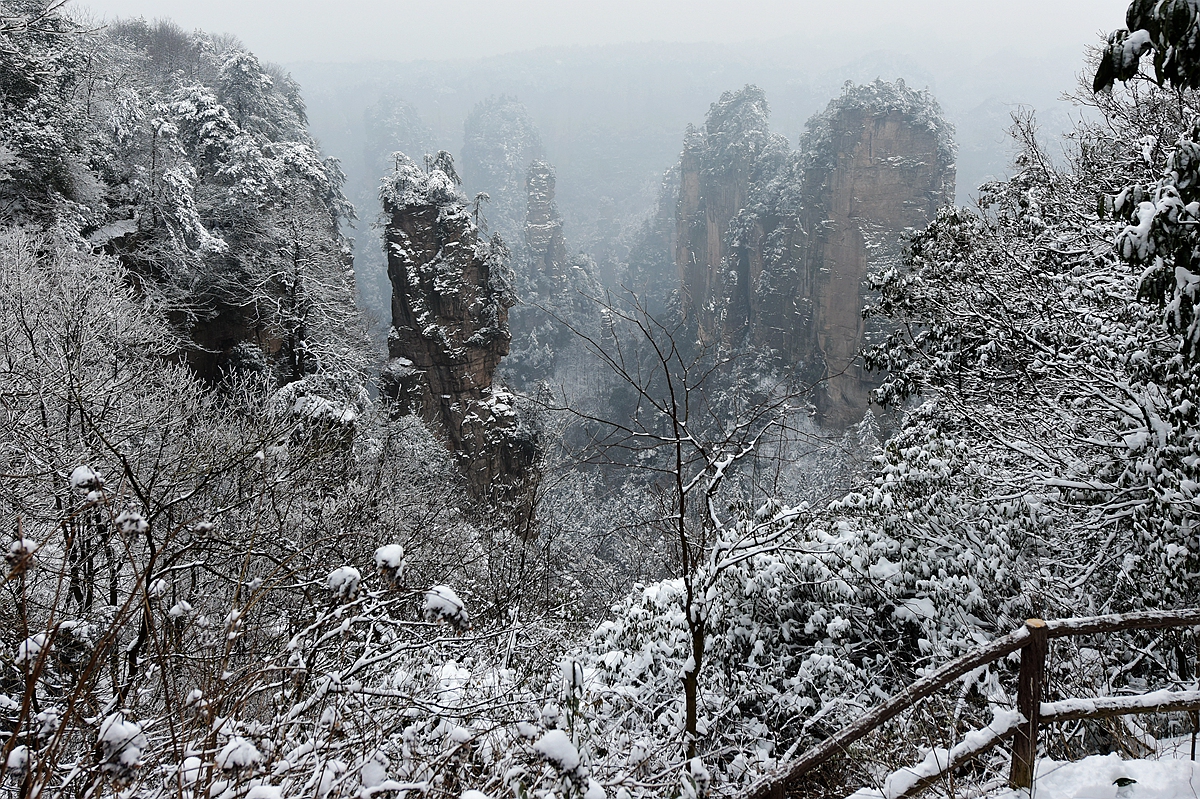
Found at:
<point>1170,29</point>
<point>190,160</point>
<point>200,597</point>
<point>736,133</point>
<point>409,184</point>
<point>1058,403</point>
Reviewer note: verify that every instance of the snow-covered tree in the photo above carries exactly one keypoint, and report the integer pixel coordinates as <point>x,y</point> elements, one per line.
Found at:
<point>1054,444</point>
<point>185,157</point>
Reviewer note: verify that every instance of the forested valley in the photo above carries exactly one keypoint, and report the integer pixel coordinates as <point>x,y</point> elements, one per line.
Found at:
<point>326,488</point>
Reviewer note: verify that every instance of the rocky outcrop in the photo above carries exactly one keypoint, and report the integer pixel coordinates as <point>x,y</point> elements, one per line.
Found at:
<point>719,165</point>
<point>774,246</point>
<point>502,157</point>
<point>543,226</point>
<point>882,169</point>
<point>499,143</point>
<point>451,290</point>
<point>555,290</point>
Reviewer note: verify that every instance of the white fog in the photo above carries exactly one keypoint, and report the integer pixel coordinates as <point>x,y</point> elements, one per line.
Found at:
<point>618,400</point>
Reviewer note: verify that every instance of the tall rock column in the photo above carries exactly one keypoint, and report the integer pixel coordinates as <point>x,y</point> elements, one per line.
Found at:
<point>889,177</point>
<point>719,165</point>
<point>774,245</point>
<point>556,291</point>
<point>451,290</point>
<point>543,226</point>
<point>500,141</point>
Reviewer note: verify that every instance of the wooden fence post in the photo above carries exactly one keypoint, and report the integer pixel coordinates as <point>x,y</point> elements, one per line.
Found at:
<point>1029,701</point>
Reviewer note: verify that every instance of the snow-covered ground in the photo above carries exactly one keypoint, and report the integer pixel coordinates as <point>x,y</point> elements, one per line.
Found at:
<point>1093,778</point>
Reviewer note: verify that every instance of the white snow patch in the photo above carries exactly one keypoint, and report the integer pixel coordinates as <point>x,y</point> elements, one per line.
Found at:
<point>331,776</point>
<point>344,582</point>
<point>558,750</point>
<point>916,609</point>
<point>189,772</point>
<point>884,570</point>
<point>113,230</point>
<point>373,771</point>
<point>18,759</point>
<point>442,604</point>
<point>389,560</point>
<point>451,680</point>
<point>30,649</point>
<point>237,754</point>
<point>390,556</point>
<point>83,477</point>
<point>121,744</point>
<point>131,522</point>
<point>1093,777</point>
<point>21,552</point>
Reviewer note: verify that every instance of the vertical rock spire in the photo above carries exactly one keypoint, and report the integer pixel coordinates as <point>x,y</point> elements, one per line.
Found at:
<point>451,291</point>
<point>774,246</point>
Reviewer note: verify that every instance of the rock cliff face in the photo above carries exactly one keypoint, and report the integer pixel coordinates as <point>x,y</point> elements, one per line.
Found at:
<point>543,226</point>
<point>890,177</point>
<point>553,287</point>
<point>451,290</point>
<point>774,246</point>
<point>720,164</point>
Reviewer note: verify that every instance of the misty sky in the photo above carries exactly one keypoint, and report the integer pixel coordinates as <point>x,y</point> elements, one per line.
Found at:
<point>365,30</point>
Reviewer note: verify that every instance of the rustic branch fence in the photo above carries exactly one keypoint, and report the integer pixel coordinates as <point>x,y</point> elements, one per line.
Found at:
<point>1033,642</point>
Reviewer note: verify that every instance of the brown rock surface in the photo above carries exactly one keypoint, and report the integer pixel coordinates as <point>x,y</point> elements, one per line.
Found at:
<point>888,181</point>
<point>450,298</point>
<point>774,246</point>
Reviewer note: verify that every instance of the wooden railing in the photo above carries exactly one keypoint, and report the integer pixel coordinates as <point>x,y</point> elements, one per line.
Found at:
<point>1033,641</point>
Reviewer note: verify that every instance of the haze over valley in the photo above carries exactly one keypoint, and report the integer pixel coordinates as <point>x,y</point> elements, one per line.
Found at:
<point>624,400</point>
